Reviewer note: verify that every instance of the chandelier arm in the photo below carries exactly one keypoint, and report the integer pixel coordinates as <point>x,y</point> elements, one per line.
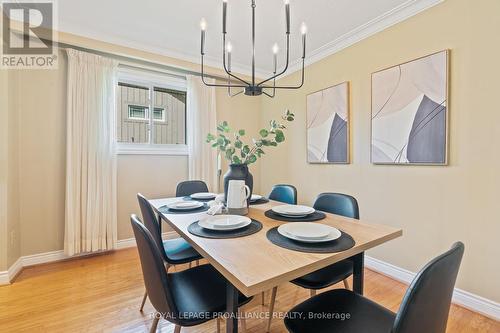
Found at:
<point>229,88</point>
<point>302,80</point>
<point>273,88</point>
<point>236,94</point>
<point>224,61</point>
<point>268,95</point>
<point>286,65</point>
<point>215,85</point>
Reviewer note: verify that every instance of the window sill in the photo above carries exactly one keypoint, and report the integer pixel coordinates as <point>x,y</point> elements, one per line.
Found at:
<point>146,149</point>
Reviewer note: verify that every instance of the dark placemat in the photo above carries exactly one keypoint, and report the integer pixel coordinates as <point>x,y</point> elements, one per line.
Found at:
<point>260,201</point>
<point>195,229</point>
<point>345,242</point>
<point>316,216</point>
<point>166,210</point>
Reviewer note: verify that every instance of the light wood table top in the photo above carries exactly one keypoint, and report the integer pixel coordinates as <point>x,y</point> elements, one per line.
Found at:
<point>253,264</point>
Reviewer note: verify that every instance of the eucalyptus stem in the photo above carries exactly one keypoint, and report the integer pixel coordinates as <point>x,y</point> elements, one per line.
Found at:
<point>237,151</point>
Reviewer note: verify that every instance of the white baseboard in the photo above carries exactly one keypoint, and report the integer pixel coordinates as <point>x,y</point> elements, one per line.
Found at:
<point>463,298</point>
<point>130,242</point>
<point>466,299</point>
<point>7,276</point>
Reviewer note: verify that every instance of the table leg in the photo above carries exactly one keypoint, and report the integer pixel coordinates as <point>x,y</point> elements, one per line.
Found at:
<point>358,273</point>
<point>232,308</point>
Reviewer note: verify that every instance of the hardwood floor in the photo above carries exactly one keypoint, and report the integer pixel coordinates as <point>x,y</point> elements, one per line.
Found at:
<point>103,294</point>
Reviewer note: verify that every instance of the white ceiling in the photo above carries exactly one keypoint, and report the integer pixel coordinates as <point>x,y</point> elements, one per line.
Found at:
<point>172,27</point>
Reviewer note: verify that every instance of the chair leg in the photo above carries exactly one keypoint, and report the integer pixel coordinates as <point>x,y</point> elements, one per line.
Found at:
<point>271,308</point>
<point>312,292</point>
<point>218,324</point>
<point>143,300</point>
<point>346,284</point>
<point>155,324</point>
<point>177,329</point>
<point>243,320</point>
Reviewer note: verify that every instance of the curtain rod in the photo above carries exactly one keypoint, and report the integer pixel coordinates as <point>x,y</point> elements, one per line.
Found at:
<point>129,61</point>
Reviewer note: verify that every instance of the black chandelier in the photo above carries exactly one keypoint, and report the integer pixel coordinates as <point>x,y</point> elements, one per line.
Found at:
<point>253,88</point>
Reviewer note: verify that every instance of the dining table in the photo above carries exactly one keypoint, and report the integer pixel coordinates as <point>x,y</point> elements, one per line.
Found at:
<point>252,264</point>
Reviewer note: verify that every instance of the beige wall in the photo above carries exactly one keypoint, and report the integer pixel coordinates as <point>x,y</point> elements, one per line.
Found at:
<point>37,151</point>
<point>4,104</point>
<point>13,221</point>
<point>435,206</point>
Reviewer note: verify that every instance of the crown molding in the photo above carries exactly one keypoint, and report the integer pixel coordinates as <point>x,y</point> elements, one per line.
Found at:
<point>214,62</point>
<point>394,16</point>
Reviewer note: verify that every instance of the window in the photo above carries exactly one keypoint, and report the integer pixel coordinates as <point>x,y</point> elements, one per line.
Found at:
<point>140,131</point>
<point>138,112</point>
<point>159,114</point>
<point>142,113</point>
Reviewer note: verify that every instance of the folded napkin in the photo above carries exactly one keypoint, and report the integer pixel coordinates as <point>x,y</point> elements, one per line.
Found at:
<point>215,208</point>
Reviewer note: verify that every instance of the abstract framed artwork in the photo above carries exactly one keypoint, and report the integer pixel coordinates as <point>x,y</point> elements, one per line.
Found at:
<point>410,112</point>
<point>328,125</point>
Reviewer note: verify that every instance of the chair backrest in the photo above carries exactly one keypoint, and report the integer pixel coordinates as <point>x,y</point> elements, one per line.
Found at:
<point>189,187</point>
<point>426,304</point>
<point>151,223</point>
<point>284,193</point>
<point>153,270</point>
<point>337,203</point>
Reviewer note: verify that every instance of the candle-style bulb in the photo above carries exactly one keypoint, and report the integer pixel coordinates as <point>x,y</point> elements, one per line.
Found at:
<point>224,16</point>
<point>229,47</point>
<point>275,48</point>
<point>303,28</point>
<point>287,16</point>
<point>203,24</point>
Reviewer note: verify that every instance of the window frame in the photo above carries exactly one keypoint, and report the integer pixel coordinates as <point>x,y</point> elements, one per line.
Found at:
<point>151,80</point>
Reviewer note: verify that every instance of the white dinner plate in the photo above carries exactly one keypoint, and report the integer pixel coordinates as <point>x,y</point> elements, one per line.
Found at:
<point>255,197</point>
<point>185,205</point>
<point>309,232</point>
<point>293,210</point>
<point>203,195</point>
<point>224,222</point>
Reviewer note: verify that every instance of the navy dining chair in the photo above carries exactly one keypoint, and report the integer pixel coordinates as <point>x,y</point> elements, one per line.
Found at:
<point>284,193</point>
<point>334,203</point>
<point>425,306</point>
<point>173,251</point>
<point>189,187</point>
<point>186,298</point>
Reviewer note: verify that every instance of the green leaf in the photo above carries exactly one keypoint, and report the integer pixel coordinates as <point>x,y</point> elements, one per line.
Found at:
<point>224,123</point>
<point>215,144</point>
<point>241,132</point>
<point>252,159</point>
<point>264,133</point>
<point>238,144</point>
<point>289,118</point>
<point>236,159</point>
<point>265,142</point>
<point>273,143</point>
<point>280,136</point>
<point>246,149</point>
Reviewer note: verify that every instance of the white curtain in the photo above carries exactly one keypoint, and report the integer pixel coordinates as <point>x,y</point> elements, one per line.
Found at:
<point>201,120</point>
<point>90,221</point>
